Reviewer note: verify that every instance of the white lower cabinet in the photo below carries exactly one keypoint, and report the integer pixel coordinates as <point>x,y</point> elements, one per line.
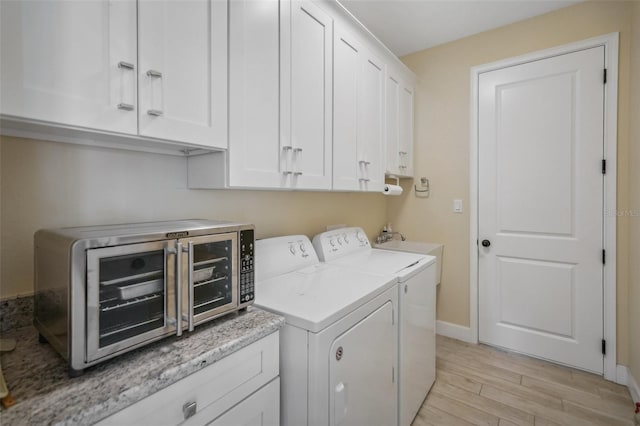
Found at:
<point>240,389</point>
<point>260,409</point>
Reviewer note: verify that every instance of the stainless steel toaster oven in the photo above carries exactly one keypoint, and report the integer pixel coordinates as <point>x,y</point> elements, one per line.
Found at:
<point>104,290</point>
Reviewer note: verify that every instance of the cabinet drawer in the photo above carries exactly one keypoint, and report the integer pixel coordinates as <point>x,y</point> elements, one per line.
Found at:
<point>213,389</point>
<point>260,409</point>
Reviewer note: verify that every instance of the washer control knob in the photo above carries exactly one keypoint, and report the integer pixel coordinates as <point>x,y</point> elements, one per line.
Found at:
<point>346,240</point>
<point>360,236</point>
<point>292,249</point>
<point>303,248</point>
<point>339,240</point>
<point>332,242</point>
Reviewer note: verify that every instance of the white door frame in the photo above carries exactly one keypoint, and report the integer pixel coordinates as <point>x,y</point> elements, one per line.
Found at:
<point>610,43</point>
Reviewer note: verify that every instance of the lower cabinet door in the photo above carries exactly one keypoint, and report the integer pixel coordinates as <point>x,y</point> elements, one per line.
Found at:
<point>262,408</point>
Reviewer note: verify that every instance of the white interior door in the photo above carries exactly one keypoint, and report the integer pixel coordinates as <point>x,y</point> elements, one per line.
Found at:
<point>541,208</point>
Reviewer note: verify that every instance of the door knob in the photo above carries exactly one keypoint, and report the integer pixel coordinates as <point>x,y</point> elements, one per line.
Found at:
<point>486,243</point>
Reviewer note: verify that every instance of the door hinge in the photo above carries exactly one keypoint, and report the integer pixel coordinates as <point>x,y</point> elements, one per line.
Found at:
<point>604,166</point>
<point>604,347</point>
<point>605,76</point>
<point>604,256</point>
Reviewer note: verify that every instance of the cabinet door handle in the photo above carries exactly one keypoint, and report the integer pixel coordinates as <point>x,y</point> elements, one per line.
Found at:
<point>366,163</point>
<point>189,409</point>
<point>284,160</point>
<point>153,74</point>
<point>125,66</point>
<point>402,152</point>
<point>364,179</point>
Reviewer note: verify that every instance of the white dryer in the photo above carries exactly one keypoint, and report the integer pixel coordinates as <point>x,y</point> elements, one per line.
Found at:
<point>338,357</point>
<point>416,275</point>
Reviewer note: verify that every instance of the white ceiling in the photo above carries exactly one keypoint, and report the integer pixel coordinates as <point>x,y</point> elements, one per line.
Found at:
<point>407,26</point>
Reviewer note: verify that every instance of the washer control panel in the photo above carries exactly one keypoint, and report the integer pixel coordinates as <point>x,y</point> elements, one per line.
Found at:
<point>340,242</point>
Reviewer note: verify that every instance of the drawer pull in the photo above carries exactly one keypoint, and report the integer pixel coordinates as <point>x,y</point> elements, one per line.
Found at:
<point>189,409</point>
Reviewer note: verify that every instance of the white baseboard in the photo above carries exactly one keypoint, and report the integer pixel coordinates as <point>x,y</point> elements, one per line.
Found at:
<point>633,387</point>
<point>454,331</point>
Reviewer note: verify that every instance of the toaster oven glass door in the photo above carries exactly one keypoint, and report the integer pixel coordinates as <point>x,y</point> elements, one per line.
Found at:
<point>129,296</point>
<point>210,274</point>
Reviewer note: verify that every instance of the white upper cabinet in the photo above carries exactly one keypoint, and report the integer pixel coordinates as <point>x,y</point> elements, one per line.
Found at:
<point>280,87</point>
<point>371,123</point>
<point>255,157</point>
<point>69,62</point>
<point>358,116</point>
<point>399,123</point>
<point>182,81</point>
<point>156,69</point>
<point>307,88</point>
<point>346,70</point>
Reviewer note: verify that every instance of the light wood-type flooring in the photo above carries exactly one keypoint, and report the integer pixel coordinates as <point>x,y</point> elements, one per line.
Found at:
<point>481,385</point>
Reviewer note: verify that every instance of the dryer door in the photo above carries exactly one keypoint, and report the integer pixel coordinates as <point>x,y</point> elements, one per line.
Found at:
<point>363,372</point>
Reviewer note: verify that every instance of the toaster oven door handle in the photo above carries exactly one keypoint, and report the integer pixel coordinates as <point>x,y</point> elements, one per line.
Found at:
<point>178,289</point>
<point>190,285</point>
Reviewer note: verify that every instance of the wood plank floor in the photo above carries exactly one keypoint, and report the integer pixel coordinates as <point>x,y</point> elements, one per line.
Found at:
<point>480,385</point>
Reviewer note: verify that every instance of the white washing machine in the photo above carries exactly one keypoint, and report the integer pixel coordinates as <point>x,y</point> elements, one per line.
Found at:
<point>416,274</point>
<point>338,356</point>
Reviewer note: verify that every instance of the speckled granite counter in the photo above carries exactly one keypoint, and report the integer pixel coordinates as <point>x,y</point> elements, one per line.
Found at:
<point>37,376</point>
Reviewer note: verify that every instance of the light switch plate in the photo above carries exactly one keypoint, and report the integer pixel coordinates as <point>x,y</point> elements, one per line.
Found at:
<point>457,206</point>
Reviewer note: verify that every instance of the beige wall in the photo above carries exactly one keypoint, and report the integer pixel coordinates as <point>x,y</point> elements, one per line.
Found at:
<point>634,282</point>
<point>442,140</point>
<point>49,184</point>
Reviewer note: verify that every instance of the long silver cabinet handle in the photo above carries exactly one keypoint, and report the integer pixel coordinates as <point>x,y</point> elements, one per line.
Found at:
<point>190,290</point>
<point>129,67</point>
<point>154,74</point>
<point>178,289</point>
<point>126,65</point>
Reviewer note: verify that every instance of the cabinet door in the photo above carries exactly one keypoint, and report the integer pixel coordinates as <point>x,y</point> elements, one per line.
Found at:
<point>255,156</point>
<point>309,47</point>
<point>182,72</point>
<point>260,409</point>
<point>405,141</point>
<point>371,123</point>
<point>59,63</point>
<point>346,66</point>
<point>392,124</point>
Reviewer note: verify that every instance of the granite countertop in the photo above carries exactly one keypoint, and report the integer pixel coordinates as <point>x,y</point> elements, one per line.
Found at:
<point>37,377</point>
